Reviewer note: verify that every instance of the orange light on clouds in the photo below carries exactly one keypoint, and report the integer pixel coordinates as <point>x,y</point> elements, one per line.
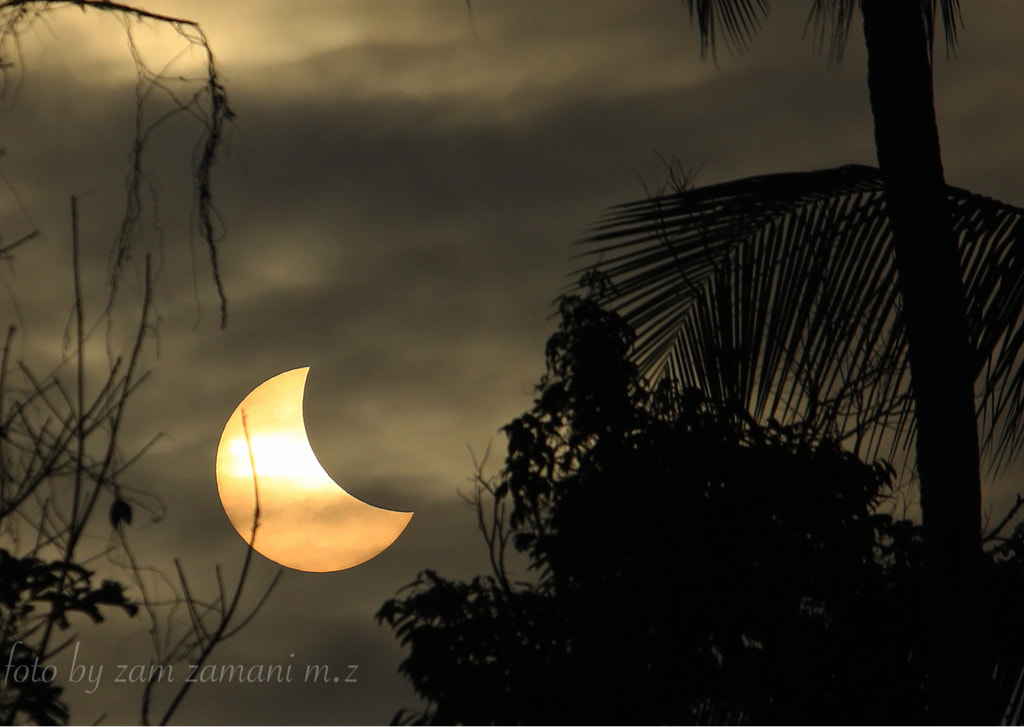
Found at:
<point>307,521</point>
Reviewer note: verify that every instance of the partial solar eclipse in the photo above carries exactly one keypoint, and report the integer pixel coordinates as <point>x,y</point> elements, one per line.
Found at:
<point>307,521</point>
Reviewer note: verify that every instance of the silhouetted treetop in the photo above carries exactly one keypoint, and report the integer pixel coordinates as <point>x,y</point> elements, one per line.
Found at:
<point>689,565</point>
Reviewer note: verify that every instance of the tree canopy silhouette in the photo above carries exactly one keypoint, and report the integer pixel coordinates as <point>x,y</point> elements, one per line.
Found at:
<point>689,565</point>
<point>899,39</point>
<point>779,292</point>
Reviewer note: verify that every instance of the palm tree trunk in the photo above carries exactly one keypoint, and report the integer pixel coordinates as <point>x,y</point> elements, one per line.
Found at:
<point>940,354</point>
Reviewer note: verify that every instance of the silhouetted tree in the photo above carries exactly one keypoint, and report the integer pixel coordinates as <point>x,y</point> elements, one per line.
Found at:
<point>779,293</point>
<point>690,565</point>
<point>66,496</point>
<point>34,593</point>
<point>933,309</point>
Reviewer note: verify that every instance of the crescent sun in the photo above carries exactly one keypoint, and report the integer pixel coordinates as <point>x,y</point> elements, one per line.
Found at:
<point>307,521</point>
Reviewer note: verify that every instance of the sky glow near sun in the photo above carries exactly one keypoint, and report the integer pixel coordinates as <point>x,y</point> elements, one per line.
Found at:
<point>305,520</point>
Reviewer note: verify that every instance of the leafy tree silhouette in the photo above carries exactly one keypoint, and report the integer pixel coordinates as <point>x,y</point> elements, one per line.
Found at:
<point>690,565</point>
<point>32,593</point>
<point>899,36</point>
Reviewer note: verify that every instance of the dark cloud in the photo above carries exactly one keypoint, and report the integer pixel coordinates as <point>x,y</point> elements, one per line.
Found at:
<point>400,192</point>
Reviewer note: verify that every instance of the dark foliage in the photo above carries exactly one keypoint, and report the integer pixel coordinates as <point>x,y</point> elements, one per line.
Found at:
<point>690,566</point>
<point>779,291</point>
<point>34,592</point>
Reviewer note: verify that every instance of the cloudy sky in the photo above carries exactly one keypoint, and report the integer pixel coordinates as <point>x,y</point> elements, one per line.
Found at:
<point>400,192</point>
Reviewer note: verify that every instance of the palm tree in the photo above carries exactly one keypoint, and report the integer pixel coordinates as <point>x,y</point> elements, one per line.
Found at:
<point>779,293</point>
<point>859,276</point>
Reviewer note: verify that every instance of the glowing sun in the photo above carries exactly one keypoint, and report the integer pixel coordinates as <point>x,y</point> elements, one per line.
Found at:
<point>306,520</point>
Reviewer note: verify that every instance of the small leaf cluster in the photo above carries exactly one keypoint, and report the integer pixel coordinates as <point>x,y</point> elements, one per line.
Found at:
<point>33,594</point>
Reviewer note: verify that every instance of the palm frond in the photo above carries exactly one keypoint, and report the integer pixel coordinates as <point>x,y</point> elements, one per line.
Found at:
<point>952,20</point>
<point>832,19</point>
<point>736,20</point>
<point>779,293</point>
